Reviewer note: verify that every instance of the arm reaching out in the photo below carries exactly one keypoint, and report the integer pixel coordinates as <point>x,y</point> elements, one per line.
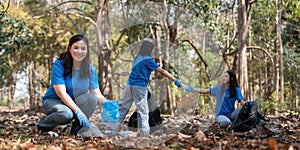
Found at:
<point>168,75</point>
<point>60,90</point>
<point>202,91</point>
<point>99,95</point>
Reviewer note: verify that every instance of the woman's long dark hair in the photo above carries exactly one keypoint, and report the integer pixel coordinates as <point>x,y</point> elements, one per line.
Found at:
<point>232,83</point>
<point>68,60</point>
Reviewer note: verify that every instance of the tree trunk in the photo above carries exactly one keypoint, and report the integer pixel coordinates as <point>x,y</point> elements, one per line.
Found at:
<point>28,77</point>
<point>10,96</point>
<point>280,47</point>
<point>2,96</point>
<point>297,98</point>
<point>32,92</point>
<point>105,73</point>
<point>104,63</point>
<point>166,55</point>
<point>242,50</point>
<point>11,91</point>
<point>159,90</point>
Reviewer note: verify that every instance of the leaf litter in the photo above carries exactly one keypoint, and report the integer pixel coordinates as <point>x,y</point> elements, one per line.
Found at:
<point>18,131</point>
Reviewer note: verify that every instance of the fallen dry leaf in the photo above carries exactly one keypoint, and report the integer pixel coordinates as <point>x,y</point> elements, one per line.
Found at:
<point>200,136</point>
<point>273,144</point>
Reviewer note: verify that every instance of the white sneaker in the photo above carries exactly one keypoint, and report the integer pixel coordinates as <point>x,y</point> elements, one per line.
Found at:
<point>53,134</point>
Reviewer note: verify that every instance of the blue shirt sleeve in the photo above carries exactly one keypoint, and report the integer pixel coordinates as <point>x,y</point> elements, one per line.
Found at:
<point>151,64</point>
<point>93,82</point>
<point>57,75</point>
<point>214,90</point>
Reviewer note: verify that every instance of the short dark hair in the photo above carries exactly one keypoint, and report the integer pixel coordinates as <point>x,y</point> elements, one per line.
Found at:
<point>146,48</point>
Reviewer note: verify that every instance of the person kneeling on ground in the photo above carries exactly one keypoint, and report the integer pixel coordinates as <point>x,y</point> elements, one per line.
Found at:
<point>226,95</point>
<point>74,91</point>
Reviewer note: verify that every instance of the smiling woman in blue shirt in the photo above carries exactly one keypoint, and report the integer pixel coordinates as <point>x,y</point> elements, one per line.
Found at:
<point>74,90</point>
<point>226,95</point>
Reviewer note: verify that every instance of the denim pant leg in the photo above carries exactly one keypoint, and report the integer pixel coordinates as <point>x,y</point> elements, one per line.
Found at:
<point>235,114</point>
<point>140,98</point>
<point>125,103</point>
<point>223,121</point>
<point>87,103</point>
<point>152,103</point>
<point>57,114</point>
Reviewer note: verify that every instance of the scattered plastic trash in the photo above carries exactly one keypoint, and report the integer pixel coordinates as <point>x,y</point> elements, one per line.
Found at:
<point>93,131</point>
<point>127,134</point>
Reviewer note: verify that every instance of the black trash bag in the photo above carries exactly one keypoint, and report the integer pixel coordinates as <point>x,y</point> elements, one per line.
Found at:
<point>155,119</point>
<point>248,117</point>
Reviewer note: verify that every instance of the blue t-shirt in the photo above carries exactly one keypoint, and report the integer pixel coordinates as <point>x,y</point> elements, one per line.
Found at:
<point>75,86</point>
<point>142,67</point>
<point>225,104</point>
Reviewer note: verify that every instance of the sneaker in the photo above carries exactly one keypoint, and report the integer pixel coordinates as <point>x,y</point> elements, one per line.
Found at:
<point>53,134</point>
<point>47,130</point>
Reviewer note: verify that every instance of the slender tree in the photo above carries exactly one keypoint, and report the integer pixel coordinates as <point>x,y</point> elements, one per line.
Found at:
<point>242,66</point>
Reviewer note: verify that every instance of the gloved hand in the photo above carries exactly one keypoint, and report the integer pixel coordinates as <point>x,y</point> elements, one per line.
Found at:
<point>177,83</point>
<point>82,118</point>
<point>189,89</point>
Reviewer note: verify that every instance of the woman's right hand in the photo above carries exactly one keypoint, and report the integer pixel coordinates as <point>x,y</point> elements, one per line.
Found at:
<point>82,118</point>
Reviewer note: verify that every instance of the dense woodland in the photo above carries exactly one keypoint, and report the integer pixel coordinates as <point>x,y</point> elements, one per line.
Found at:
<point>196,40</point>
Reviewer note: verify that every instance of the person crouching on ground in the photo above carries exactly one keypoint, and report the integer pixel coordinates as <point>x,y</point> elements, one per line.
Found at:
<point>74,91</point>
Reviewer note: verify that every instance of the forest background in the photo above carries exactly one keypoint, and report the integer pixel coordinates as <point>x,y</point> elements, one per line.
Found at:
<point>196,41</point>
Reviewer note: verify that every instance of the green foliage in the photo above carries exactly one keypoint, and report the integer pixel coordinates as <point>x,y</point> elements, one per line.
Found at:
<point>36,7</point>
<point>4,102</point>
<point>15,39</point>
<point>291,33</point>
<point>268,104</point>
<point>202,9</point>
<point>3,131</point>
<point>292,76</point>
<point>203,109</point>
<point>292,66</point>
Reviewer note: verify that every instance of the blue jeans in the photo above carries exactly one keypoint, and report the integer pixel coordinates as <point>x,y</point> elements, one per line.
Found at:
<point>57,113</point>
<point>225,121</point>
<point>137,94</point>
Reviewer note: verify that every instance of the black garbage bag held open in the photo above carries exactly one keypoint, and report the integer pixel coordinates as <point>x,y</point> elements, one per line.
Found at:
<point>248,117</point>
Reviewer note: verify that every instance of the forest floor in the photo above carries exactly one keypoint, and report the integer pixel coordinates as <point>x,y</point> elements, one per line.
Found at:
<point>18,131</point>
